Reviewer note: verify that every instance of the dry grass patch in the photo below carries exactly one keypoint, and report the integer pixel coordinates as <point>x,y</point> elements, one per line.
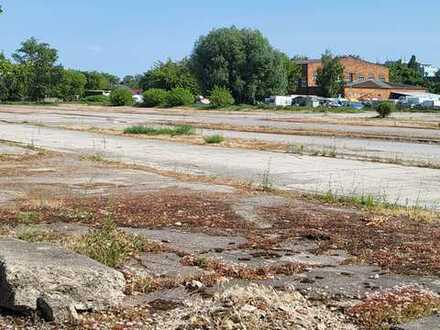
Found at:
<point>242,271</point>
<point>155,209</point>
<point>146,284</point>
<point>252,307</point>
<point>395,243</point>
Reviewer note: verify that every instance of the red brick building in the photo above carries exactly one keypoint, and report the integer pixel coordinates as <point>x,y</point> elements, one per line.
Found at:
<point>354,70</point>
<point>374,89</point>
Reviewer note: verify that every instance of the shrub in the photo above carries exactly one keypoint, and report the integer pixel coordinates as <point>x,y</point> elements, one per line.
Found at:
<point>384,109</point>
<point>178,97</point>
<point>221,97</point>
<point>211,139</point>
<point>177,130</point>
<point>101,99</point>
<point>154,97</point>
<point>121,96</point>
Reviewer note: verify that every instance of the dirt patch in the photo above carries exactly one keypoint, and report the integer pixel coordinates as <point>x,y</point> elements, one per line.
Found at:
<point>166,208</point>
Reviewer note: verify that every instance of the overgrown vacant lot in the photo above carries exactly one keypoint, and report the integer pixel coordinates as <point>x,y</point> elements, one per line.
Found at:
<point>200,252</point>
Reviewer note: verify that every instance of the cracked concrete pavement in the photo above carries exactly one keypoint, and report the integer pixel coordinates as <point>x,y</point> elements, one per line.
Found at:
<point>401,184</point>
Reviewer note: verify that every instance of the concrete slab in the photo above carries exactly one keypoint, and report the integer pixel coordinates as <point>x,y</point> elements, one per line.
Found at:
<point>188,242</point>
<point>426,323</point>
<point>420,186</point>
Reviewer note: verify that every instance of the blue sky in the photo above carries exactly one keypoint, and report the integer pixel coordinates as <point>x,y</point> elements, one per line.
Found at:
<point>127,37</point>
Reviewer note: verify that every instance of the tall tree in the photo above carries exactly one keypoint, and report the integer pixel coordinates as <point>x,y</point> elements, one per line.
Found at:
<point>241,60</point>
<point>98,81</point>
<point>40,59</point>
<point>72,85</point>
<point>402,73</point>
<point>413,64</point>
<point>330,75</point>
<point>169,75</point>
<point>293,74</point>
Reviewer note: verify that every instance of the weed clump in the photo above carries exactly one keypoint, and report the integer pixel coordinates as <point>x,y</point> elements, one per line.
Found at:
<point>213,139</point>
<point>34,234</point>
<point>111,246</point>
<point>173,131</point>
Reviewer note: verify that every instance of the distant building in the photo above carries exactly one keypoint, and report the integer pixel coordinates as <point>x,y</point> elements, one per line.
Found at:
<point>429,71</point>
<point>354,70</point>
<point>363,80</point>
<point>374,89</point>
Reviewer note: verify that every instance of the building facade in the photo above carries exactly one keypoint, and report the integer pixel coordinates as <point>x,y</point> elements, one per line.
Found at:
<point>354,70</point>
<point>375,89</point>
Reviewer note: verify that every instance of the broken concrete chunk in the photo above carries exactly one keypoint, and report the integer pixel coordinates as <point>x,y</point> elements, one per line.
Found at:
<point>54,282</point>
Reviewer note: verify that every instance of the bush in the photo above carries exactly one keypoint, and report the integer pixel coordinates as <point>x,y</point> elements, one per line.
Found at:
<point>101,99</point>
<point>121,96</point>
<point>178,97</point>
<point>211,139</point>
<point>384,109</point>
<point>221,97</point>
<point>154,97</point>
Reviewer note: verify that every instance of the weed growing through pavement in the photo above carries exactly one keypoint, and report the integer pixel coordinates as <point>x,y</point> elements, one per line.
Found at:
<point>111,246</point>
<point>34,234</point>
<point>213,139</point>
<point>28,217</point>
<point>266,182</point>
<point>173,131</point>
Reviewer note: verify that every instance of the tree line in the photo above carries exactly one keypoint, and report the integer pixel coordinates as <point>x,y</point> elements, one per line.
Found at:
<point>33,73</point>
<point>239,61</point>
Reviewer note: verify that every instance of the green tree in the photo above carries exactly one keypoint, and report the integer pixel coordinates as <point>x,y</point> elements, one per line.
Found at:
<point>132,81</point>
<point>402,73</point>
<point>13,80</point>
<point>170,75</point>
<point>293,74</point>
<point>330,75</point>
<point>40,60</point>
<point>241,60</point>
<point>100,80</point>
<point>73,85</point>
<point>413,64</point>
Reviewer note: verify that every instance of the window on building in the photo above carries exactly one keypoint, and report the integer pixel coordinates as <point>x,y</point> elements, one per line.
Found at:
<point>361,77</point>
